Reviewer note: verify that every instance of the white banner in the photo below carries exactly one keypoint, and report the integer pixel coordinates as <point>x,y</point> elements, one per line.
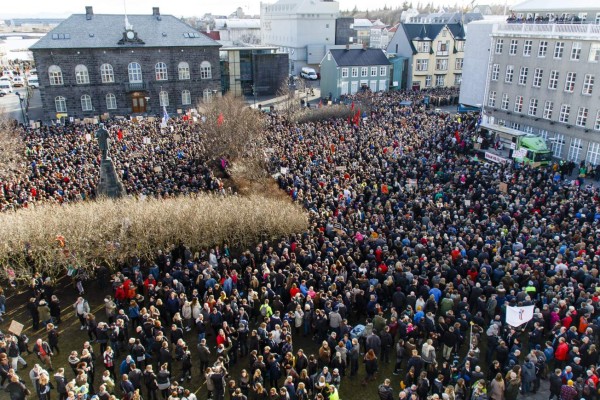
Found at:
<point>517,316</point>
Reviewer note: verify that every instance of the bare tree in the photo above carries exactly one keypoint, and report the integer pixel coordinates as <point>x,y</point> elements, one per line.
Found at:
<point>231,129</point>
<point>289,105</point>
<point>12,149</point>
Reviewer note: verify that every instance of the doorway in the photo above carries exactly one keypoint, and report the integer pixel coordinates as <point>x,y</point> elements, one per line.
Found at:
<point>138,102</point>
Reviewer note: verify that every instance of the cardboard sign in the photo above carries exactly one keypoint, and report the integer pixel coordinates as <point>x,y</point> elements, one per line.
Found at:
<point>15,328</point>
<point>521,153</point>
<point>283,170</point>
<point>158,169</point>
<point>177,137</point>
<point>340,168</point>
<point>503,187</point>
<point>411,182</point>
<point>151,119</point>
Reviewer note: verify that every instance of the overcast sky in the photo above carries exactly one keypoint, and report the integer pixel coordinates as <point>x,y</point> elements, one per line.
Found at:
<point>63,8</point>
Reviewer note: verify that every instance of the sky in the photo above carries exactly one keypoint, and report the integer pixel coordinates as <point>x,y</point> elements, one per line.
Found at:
<point>64,8</point>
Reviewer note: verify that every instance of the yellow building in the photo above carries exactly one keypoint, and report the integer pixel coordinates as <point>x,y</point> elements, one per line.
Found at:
<point>435,53</point>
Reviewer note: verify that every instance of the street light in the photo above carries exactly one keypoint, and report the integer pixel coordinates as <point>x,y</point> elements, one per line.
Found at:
<point>23,115</point>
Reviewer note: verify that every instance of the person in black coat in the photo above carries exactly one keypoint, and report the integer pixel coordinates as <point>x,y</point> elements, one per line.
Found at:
<point>52,337</point>
<point>16,389</point>
<point>32,307</point>
<point>61,384</point>
<point>555,384</point>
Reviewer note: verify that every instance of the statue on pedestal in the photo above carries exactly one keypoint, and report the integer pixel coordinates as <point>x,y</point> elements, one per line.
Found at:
<point>109,184</point>
<point>103,141</point>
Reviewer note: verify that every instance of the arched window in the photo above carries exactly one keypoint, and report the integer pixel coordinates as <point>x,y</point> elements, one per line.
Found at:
<point>86,102</point>
<point>55,75</point>
<point>135,72</point>
<point>107,74</point>
<point>160,70</point>
<point>81,75</point>
<point>186,98</point>
<point>205,70</point>
<point>61,104</point>
<point>111,101</point>
<point>184,71</point>
<point>163,98</point>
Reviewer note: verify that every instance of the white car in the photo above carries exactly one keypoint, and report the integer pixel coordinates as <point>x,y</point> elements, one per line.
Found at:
<point>18,81</point>
<point>33,82</point>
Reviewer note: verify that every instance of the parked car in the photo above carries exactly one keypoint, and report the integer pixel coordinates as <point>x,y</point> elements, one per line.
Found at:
<point>309,73</point>
<point>33,82</point>
<point>5,86</point>
<point>18,81</point>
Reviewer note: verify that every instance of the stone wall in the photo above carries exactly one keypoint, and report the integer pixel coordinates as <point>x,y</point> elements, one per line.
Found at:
<point>120,58</point>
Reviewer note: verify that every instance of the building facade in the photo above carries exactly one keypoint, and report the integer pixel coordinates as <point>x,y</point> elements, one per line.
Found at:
<point>346,71</point>
<point>435,53</point>
<point>253,70</point>
<point>542,79</point>
<point>90,65</point>
<point>477,54</point>
<point>301,28</point>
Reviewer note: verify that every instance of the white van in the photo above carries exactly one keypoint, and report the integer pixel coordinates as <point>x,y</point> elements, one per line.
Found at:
<point>309,73</point>
<point>33,82</point>
<point>5,87</point>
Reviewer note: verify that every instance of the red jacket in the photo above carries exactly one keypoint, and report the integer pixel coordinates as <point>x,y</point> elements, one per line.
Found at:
<point>562,352</point>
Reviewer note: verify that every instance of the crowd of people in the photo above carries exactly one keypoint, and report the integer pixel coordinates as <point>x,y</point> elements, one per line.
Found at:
<point>63,162</point>
<point>401,283</point>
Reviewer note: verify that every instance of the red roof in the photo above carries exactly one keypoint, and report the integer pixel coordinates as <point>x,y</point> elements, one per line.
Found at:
<point>214,35</point>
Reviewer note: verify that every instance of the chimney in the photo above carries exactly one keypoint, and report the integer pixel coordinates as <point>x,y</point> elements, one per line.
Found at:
<point>89,12</point>
<point>156,13</point>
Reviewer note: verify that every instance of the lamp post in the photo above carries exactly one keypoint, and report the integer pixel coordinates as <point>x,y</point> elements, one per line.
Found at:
<point>23,115</point>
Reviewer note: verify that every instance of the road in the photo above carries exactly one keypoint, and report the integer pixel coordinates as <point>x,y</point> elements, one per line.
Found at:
<point>9,104</point>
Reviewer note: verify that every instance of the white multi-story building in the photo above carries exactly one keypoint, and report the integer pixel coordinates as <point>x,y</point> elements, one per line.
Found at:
<point>301,28</point>
<point>541,78</point>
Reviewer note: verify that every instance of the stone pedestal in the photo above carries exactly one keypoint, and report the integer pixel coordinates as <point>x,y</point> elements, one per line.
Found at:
<point>109,185</point>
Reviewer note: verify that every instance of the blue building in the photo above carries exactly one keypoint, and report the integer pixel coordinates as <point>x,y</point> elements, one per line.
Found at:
<point>346,71</point>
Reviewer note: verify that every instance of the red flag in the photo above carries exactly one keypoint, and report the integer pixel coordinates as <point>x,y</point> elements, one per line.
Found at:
<point>220,119</point>
<point>356,118</point>
<point>457,136</point>
<point>120,135</point>
<point>352,106</point>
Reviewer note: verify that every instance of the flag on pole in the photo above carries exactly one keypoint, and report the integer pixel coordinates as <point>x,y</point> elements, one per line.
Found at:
<point>356,119</point>
<point>120,135</point>
<point>165,117</point>
<point>517,316</point>
<point>352,106</point>
<point>220,119</point>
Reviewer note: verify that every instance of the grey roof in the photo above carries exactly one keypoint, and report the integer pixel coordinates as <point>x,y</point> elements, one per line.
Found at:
<point>105,31</point>
<point>430,31</point>
<point>358,57</point>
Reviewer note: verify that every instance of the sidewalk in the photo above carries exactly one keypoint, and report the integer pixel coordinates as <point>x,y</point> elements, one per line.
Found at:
<point>265,101</point>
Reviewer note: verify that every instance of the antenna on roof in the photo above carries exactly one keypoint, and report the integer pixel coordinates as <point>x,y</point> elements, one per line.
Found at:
<point>128,26</point>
